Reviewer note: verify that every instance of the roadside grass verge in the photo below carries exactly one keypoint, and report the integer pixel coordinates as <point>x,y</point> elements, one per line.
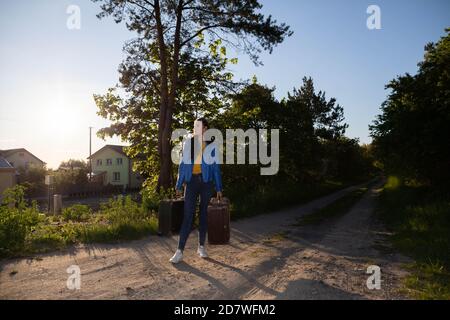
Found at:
<point>420,221</point>
<point>24,230</point>
<point>333,210</point>
<point>269,198</point>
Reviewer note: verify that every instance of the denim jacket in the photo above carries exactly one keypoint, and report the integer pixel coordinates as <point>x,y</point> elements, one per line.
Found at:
<point>210,169</point>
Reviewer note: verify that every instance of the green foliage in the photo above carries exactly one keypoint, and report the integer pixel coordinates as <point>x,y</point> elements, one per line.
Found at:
<point>121,219</point>
<point>205,22</point>
<point>151,197</point>
<point>420,220</point>
<point>392,183</point>
<point>313,146</point>
<point>77,212</point>
<point>24,230</point>
<point>412,145</point>
<point>178,71</point>
<point>123,209</point>
<point>201,85</point>
<point>71,175</point>
<point>345,160</point>
<point>32,178</point>
<point>46,237</point>
<point>428,281</point>
<point>411,134</point>
<point>312,143</point>
<point>127,230</point>
<point>16,220</point>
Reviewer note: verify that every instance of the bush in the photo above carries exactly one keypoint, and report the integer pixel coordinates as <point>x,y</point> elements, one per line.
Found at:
<point>24,230</point>
<point>45,238</point>
<point>123,209</point>
<point>16,220</point>
<point>77,212</point>
<point>151,198</point>
<point>125,220</point>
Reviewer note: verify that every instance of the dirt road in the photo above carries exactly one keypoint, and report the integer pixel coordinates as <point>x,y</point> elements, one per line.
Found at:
<point>268,258</point>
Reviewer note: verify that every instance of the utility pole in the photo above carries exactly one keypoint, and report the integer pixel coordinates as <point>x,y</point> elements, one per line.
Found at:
<point>90,154</point>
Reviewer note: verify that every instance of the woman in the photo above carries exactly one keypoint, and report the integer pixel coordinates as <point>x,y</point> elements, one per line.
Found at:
<point>198,177</point>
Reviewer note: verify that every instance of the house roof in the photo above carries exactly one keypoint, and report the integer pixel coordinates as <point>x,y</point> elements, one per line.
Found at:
<point>6,153</point>
<point>116,148</point>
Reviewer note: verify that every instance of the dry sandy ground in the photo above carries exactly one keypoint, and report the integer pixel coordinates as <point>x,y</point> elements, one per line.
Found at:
<point>268,258</point>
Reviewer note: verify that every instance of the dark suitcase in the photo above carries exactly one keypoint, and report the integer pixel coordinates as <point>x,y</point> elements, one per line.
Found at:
<point>219,221</point>
<point>170,216</point>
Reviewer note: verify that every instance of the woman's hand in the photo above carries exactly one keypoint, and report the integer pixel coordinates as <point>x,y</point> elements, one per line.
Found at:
<point>180,193</point>
<point>219,195</point>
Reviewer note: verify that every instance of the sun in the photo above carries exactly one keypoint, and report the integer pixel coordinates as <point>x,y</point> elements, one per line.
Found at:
<point>61,115</point>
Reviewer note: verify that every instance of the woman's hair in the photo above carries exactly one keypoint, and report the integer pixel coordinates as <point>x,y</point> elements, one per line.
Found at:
<point>204,122</point>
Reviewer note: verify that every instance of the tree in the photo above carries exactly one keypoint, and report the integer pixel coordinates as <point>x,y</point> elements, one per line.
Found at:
<point>173,32</point>
<point>71,174</point>
<point>72,164</point>
<point>32,178</point>
<point>135,118</point>
<point>411,136</point>
<point>308,120</point>
<point>347,160</point>
<point>253,107</point>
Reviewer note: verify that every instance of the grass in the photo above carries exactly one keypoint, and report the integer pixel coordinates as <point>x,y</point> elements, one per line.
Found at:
<point>280,236</point>
<point>24,230</point>
<point>420,221</point>
<point>47,237</point>
<point>268,198</point>
<point>333,210</point>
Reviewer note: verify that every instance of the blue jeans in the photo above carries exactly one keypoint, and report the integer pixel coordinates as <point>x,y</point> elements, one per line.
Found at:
<point>194,188</point>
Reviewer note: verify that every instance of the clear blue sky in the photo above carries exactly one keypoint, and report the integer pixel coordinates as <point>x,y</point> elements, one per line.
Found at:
<point>49,73</point>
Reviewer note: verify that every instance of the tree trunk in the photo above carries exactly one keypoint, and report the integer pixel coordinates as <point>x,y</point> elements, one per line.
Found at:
<point>164,174</point>
<point>168,98</point>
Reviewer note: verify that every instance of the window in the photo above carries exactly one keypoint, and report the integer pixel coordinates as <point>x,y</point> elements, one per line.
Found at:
<point>116,176</point>
<point>108,162</point>
<point>21,154</point>
<point>99,162</point>
<point>119,161</point>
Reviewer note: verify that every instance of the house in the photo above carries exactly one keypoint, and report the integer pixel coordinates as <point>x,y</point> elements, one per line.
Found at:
<point>110,165</point>
<point>21,158</point>
<point>8,176</point>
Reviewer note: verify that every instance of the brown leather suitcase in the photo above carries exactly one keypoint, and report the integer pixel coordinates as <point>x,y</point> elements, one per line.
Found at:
<point>219,221</point>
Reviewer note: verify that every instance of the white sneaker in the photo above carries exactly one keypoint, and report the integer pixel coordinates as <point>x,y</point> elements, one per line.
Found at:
<point>202,252</point>
<point>177,257</point>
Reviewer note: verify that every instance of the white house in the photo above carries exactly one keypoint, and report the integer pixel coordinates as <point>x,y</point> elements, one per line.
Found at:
<point>111,165</point>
